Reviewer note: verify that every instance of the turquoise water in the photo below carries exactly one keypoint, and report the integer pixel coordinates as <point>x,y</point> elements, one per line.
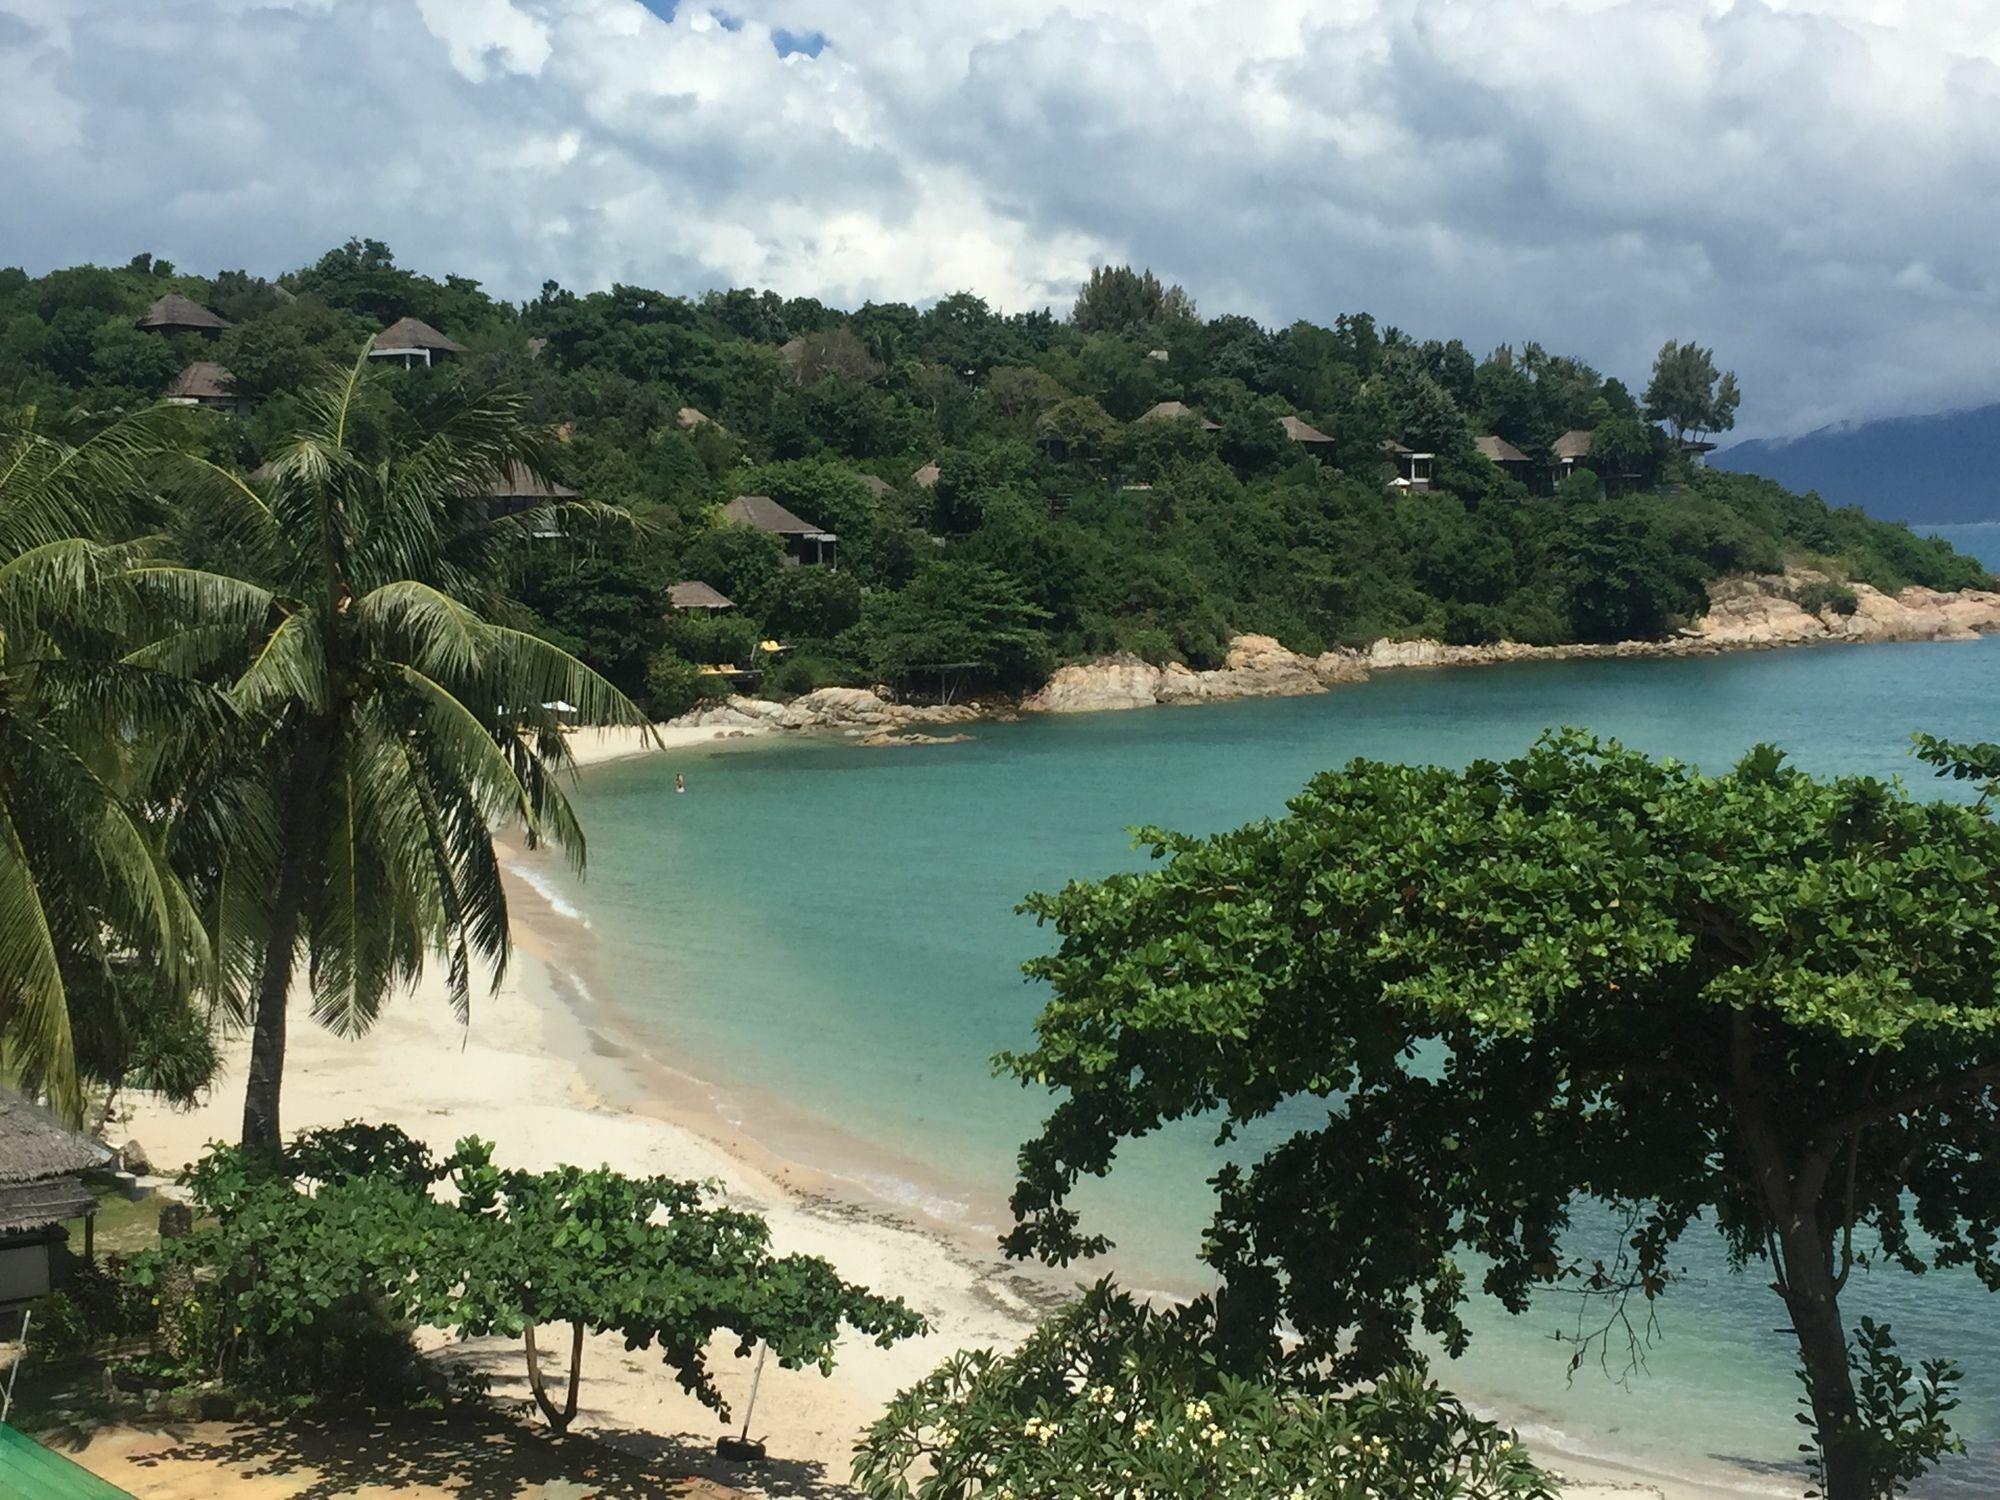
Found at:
<point>834,927</point>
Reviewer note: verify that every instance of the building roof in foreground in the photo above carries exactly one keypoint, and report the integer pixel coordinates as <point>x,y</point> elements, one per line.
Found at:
<point>694,594</point>
<point>176,311</point>
<point>40,1161</point>
<point>414,333</point>
<point>1500,450</point>
<point>204,378</point>
<point>764,513</point>
<point>1302,432</point>
<point>1573,444</point>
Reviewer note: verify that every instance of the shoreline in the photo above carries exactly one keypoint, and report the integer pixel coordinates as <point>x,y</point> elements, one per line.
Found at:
<point>550,1071</point>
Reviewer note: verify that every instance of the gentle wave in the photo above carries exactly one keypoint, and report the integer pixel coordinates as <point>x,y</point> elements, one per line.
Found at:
<point>906,1194</point>
<point>542,886</point>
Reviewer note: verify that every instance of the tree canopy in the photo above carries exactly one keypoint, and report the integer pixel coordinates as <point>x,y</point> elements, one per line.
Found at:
<point>1762,1001</point>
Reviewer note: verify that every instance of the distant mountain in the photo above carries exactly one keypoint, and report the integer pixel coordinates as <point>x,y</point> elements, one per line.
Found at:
<point>1942,469</point>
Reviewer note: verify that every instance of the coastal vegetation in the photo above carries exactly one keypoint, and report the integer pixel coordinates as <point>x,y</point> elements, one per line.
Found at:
<point>1130,478</point>
<point>1578,990</point>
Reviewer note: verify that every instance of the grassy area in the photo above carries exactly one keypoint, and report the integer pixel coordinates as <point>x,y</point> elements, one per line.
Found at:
<point>122,1224</point>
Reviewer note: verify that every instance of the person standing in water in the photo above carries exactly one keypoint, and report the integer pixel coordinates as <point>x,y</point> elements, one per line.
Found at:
<point>679,784</point>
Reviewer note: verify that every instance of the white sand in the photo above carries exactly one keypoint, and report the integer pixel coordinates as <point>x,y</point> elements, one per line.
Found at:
<point>593,746</point>
<point>515,1079</point>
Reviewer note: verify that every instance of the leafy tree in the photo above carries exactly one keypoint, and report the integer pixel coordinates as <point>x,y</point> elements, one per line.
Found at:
<point>958,619</point>
<point>344,1220</point>
<point>1078,429</point>
<point>389,724</point>
<point>1110,1398</point>
<point>1688,394</point>
<point>1118,299</point>
<point>1760,1000</point>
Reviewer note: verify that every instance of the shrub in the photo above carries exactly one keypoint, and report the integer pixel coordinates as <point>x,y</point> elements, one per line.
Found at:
<point>807,672</point>
<point>1823,594</point>
<point>675,686</point>
<point>1471,625</point>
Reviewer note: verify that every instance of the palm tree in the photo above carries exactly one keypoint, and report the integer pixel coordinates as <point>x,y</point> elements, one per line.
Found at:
<point>84,882</point>
<point>393,723</point>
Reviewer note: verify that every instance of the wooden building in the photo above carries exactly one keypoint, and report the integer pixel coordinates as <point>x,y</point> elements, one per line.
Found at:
<point>1172,411</point>
<point>412,341</point>
<point>1306,436</point>
<point>42,1162</point>
<point>1510,459</point>
<point>693,595</point>
<point>805,543</point>
<point>513,490</point>
<point>174,313</point>
<point>1413,469</point>
<point>208,385</point>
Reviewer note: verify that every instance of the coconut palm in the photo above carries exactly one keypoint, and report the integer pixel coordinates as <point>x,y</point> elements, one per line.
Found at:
<point>84,883</point>
<point>394,723</point>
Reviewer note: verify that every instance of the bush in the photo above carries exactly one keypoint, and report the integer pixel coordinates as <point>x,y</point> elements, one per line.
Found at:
<point>807,672</point>
<point>1471,625</point>
<point>675,686</point>
<point>1823,594</point>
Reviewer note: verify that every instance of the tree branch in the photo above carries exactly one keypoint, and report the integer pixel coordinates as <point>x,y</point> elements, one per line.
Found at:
<point>1937,1091</point>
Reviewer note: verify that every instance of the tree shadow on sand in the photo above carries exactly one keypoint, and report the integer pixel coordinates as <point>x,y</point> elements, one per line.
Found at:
<point>474,1455</point>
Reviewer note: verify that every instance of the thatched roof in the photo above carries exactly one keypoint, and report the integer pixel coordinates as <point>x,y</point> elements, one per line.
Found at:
<point>696,595</point>
<point>519,482</point>
<point>1499,450</point>
<point>690,418</point>
<point>878,485</point>
<point>203,378</point>
<point>1390,445</point>
<point>928,476</point>
<point>1168,411</point>
<point>35,1145</point>
<point>414,333</point>
<point>1300,432</point>
<point>175,311</point>
<point>1573,444</point>
<point>764,513</point>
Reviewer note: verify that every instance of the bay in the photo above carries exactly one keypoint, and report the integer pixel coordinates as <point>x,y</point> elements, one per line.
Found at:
<point>833,928</point>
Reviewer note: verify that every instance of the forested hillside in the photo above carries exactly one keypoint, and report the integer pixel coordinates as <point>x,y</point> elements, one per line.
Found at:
<point>1005,492</point>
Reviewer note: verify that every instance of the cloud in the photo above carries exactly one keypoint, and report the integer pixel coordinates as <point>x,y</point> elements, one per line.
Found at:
<point>1810,185</point>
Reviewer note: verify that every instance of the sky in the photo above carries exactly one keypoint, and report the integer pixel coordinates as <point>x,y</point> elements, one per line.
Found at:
<point>1812,187</point>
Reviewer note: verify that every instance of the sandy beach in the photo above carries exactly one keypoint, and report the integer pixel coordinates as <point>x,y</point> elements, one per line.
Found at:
<point>529,1075</point>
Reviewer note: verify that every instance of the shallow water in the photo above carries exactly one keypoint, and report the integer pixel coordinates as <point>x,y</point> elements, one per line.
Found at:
<point>834,926</point>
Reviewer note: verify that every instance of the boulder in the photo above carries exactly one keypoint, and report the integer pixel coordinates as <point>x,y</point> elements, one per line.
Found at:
<point>1111,682</point>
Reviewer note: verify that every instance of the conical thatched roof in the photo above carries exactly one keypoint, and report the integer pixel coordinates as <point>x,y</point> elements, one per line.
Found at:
<point>1573,444</point>
<point>1301,432</point>
<point>415,333</point>
<point>928,476</point>
<point>1499,449</point>
<point>878,485</point>
<point>175,311</point>
<point>35,1145</point>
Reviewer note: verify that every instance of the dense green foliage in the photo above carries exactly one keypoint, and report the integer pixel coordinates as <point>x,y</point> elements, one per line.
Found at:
<point>1763,999</point>
<point>303,1252</point>
<point>1110,1398</point>
<point>1158,537</point>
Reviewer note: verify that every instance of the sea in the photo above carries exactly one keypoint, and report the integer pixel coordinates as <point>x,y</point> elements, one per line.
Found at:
<point>829,935</point>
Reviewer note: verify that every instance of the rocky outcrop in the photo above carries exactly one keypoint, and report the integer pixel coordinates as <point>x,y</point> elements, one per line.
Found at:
<point>1256,666</point>
<point>835,708</point>
<point>1744,613</point>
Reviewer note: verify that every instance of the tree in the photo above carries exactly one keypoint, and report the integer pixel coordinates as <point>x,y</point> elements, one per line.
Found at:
<point>1110,1398</point>
<point>343,1222</point>
<point>1118,299</point>
<point>957,619</point>
<point>1760,1000</point>
<point>1078,429</point>
<point>1688,395</point>
<point>390,725</point>
<point>89,744</point>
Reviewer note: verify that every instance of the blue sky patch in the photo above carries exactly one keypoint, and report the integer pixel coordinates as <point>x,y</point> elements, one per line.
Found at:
<point>812,43</point>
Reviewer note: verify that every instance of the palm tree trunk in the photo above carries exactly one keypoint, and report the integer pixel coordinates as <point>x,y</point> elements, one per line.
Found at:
<point>299,836</point>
